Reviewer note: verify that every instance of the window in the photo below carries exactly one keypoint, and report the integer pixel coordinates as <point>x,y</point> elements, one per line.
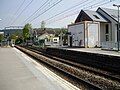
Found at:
<point>107,37</point>
<point>96,16</point>
<point>107,32</point>
<point>55,39</point>
<point>106,29</point>
<point>119,33</point>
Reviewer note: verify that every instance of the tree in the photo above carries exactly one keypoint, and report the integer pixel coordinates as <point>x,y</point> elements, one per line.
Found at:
<point>27,31</point>
<point>64,36</point>
<point>19,40</point>
<point>1,38</point>
<point>19,33</point>
<point>13,36</point>
<point>64,30</point>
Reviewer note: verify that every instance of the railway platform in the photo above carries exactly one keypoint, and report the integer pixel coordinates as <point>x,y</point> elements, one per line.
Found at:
<point>20,72</point>
<point>105,60</point>
<point>96,51</point>
<point>92,50</point>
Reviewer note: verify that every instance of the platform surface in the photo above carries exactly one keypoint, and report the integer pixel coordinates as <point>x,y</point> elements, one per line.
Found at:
<point>20,72</point>
<point>96,50</point>
<point>92,50</point>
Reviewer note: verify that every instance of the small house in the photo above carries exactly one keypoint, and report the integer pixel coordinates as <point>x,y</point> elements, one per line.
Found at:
<point>45,39</point>
<point>56,41</point>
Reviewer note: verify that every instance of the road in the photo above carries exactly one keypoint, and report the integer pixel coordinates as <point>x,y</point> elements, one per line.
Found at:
<point>20,72</point>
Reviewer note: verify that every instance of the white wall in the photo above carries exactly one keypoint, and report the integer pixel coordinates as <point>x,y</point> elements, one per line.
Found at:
<point>93,34</point>
<point>42,36</point>
<point>115,32</point>
<point>77,33</point>
<point>113,25</point>
<point>102,32</point>
<point>88,33</point>
<point>55,41</point>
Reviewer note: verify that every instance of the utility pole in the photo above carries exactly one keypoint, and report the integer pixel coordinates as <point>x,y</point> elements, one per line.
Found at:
<point>61,36</point>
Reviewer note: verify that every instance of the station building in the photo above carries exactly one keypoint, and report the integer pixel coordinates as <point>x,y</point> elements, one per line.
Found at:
<point>94,28</point>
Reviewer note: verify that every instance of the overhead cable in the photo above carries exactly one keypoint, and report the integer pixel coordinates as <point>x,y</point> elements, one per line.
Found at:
<point>67,10</point>
<point>46,10</point>
<point>90,7</point>
<point>17,10</point>
<point>36,11</point>
<point>22,11</point>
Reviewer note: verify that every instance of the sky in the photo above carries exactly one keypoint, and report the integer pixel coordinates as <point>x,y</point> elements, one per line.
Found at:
<point>55,13</point>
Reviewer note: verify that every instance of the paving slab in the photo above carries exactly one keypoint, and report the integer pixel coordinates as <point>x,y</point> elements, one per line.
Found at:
<point>20,72</point>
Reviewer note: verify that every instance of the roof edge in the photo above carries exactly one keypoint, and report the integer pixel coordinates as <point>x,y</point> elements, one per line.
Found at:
<point>106,13</point>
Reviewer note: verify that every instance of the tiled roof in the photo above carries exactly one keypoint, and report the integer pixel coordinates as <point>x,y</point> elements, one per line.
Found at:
<point>95,16</point>
<point>111,12</point>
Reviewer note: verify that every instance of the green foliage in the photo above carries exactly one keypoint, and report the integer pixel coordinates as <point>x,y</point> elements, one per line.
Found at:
<point>64,30</point>
<point>1,38</point>
<point>19,41</point>
<point>19,33</point>
<point>13,36</point>
<point>26,31</point>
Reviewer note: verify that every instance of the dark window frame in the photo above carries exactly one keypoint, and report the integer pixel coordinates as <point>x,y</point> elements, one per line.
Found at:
<point>106,29</point>
<point>107,37</point>
<point>55,39</point>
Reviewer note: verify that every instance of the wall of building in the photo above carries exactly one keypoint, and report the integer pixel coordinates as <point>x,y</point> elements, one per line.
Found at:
<point>42,36</point>
<point>55,41</point>
<point>114,32</point>
<point>77,34</point>
<point>93,34</point>
<point>85,34</point>
<point>113,25</point>
<point>103,32</point>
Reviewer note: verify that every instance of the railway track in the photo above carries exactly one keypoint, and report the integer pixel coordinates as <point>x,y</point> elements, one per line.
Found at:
<point>92,77</point>
<point>106,74</point>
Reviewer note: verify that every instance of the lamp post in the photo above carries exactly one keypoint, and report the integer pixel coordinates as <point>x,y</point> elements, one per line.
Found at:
<point>118,25</point>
